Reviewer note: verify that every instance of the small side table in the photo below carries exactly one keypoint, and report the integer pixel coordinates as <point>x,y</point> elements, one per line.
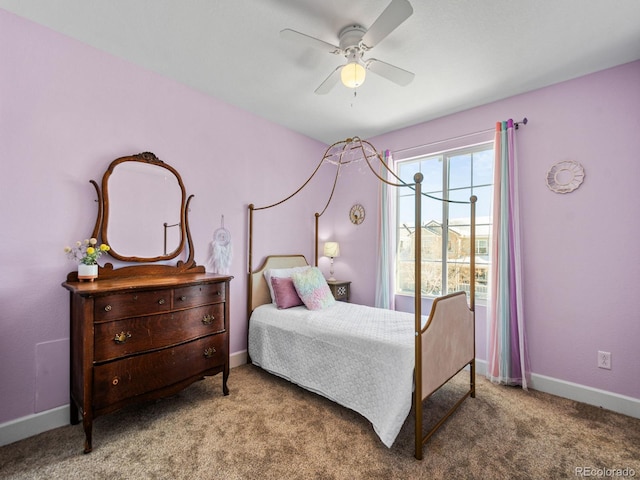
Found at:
<point>340,289</point>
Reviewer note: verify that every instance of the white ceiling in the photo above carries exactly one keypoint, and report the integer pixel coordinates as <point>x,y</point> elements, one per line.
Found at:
<point>464,53</point>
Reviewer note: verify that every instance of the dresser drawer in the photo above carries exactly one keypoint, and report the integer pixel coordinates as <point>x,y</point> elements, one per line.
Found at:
<point>132,376</point>
<point>134,335</point>
<point>123,305</point>
<point>192,296</point>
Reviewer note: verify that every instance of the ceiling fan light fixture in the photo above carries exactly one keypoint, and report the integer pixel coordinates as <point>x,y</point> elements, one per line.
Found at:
<point>355,41</point>
<point>353,74</point>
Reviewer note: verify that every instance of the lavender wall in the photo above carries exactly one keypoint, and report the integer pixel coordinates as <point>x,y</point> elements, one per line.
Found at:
<point>67,111</point>
<point>581,256</point>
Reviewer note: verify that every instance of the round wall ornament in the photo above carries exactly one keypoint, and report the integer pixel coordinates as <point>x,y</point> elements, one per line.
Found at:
<point>565,176</point>
<point>356,214</point>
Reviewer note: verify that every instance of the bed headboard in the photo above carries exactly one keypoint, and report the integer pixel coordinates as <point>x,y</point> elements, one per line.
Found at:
<point>258,290</point>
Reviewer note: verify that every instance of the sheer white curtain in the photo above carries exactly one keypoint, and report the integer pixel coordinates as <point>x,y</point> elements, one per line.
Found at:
<point>385,274</point>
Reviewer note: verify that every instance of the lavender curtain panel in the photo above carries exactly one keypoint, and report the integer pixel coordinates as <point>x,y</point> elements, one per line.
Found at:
<point>507,355</point>
<point>385,275</point>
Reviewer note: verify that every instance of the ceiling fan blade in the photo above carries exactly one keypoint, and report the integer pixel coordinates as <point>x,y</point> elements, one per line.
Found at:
<point>395,13</point>
<point>395,74</point>
<point>298,37</point>
<point>329,82</point>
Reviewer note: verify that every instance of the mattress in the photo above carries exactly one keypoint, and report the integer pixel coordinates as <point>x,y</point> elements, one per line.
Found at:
<point>358,356</point>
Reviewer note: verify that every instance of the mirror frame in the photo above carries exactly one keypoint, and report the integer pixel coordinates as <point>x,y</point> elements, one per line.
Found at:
<point>149,159</point>
<point>147,265</point>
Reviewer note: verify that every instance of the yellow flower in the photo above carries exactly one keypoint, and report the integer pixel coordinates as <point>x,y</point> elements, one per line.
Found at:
<point>87,251</point>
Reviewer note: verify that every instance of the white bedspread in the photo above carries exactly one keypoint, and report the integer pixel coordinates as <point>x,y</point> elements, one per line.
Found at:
<point>358,356</point>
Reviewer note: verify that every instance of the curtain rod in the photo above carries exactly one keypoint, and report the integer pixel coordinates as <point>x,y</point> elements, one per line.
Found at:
<point>524,121</point>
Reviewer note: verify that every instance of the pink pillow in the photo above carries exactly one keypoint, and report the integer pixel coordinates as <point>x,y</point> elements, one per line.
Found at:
<point>284,292</point>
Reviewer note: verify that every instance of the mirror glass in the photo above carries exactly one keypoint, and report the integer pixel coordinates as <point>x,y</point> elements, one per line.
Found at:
<point>143,205</point>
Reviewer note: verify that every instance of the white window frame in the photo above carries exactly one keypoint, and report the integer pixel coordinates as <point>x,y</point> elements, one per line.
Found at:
<point>446,246</point>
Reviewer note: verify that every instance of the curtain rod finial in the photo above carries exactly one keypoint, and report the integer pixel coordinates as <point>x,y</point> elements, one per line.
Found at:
<point>524,121</point>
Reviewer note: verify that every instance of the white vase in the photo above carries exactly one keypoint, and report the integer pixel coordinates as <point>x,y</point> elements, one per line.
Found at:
<point>87,272</point>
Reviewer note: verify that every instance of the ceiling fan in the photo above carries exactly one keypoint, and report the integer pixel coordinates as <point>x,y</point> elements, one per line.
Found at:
<point>355,40</point>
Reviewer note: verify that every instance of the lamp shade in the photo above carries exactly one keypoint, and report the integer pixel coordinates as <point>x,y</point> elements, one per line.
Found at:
<point>331,249</point>
<point>353,74</point>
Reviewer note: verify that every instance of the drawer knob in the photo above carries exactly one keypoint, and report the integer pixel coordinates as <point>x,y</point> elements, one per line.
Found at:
<point>161,301</point>
<point>183,297</point>
<point>208,352</point>
<point>122,337</point>
<point>208,319</point>
<point>115,381</point>
<point>107,308</point>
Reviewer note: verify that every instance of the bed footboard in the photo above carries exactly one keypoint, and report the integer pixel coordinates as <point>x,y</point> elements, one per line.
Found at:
<point>447,344</point>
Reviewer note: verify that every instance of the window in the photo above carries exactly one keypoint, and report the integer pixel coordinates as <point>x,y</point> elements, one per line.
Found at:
<point>452,175</point>
<point>482,246</point>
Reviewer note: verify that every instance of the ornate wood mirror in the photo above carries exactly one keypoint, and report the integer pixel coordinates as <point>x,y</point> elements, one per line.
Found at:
<point>142,214</point>
<point>144,206</point>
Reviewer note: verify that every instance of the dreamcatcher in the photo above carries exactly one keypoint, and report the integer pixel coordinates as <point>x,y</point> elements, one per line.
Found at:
<point>221,251</point>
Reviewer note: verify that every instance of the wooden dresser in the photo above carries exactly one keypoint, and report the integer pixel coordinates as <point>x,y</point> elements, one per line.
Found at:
<point>141,338</point>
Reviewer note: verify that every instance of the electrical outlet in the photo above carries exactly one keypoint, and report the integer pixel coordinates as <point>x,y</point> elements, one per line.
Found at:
<point>604,360</point>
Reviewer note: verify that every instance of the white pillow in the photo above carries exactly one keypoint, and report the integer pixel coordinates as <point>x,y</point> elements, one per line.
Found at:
<point>280,273</point>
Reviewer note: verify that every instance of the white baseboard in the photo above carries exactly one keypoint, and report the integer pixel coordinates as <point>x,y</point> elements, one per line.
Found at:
<point>30,425</point>
<point>237,359</point>
<point>580,393</point>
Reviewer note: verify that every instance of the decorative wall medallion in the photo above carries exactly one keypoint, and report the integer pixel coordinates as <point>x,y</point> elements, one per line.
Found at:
<point>356,214</point>
<point>565,177</point>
